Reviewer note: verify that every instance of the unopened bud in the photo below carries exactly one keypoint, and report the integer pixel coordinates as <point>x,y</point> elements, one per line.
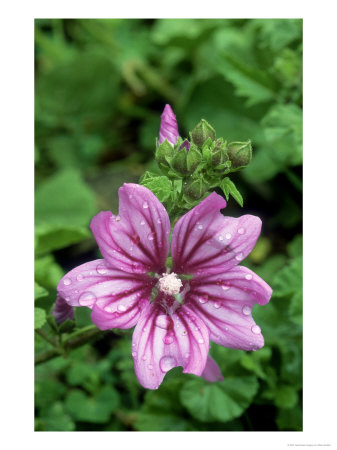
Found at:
<point>164,152</point>
<point>240,154</point>
<point>194,158</point>
<point>179,162</point>
<point>195,189</point>
<point>219,153</point>
<point>202,132</point>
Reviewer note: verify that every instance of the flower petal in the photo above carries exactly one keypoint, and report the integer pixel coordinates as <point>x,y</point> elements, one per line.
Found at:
<point>115,296</point>
<point>212,371</point>
<point>161,342</point>
<point>225,301</point>
<point>168,126</point>
<point>205,242</point>
<point>137,239</point>
<point>62,311</point>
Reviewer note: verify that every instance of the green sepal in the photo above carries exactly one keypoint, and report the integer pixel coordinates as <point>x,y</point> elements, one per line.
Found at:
<point>179,162</point>
<point>228,187</point>
<point>39,318</point>
<point>52,323</point>
<point>67,326</point>
<point>193,158</point>
<point>240,154</point>
<point>195,189</point>
<point>219,154</point>
<point>164,153</point>
<point>201,132</point>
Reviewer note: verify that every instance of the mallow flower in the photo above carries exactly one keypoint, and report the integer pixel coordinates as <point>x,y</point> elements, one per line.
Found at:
<point>203,295</point>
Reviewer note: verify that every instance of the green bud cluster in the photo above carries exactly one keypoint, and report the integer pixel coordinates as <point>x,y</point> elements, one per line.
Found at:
<point>194,167</point>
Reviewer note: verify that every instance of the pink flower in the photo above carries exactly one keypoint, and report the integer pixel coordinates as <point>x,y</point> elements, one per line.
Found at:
<point>62,311</point>
<point>175,316</point>
<point>168,126</point>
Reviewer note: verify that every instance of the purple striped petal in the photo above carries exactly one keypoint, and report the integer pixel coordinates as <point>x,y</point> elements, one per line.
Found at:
<point>212,371</point>
<point>116,297</point>
<point>161,342</point>
<point>62,311</point>
<point>137,239</point>
<point>168,126</point>
<point>225,302</point>
<point>205,242</point>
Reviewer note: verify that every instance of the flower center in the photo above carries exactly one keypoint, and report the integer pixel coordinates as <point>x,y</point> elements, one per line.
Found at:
<point>170,284</point>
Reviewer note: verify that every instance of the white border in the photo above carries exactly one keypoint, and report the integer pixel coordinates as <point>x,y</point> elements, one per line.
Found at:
<point>320,227</point>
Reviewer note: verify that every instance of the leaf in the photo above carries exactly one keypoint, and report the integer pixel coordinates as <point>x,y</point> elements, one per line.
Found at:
<point>40,317</point>
<point>92,409</point>
<point>161,186</point>
<point>49,237</point>
<point>290,419</point>
<point>54,418</point>
<point>221,401</point>
<point>285,397</point>
<point>289,279</point>
<point>64,200</point>
<point>47,271</point>
<point>228,187</point>
<point>295,247</point>
<point>39,291</point>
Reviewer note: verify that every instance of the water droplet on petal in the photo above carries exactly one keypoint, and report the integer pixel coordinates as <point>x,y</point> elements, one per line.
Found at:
<point>144,357</point>
<point>220,238</point>
<point>217,305</point>
<point>134,354</point>
<point>166,363</point>
<point>162,321</point>
<point>226,285</point>
<point>201,341</point>
<point>241,231</point>
<point>187,355</point>
<point>87,299</point>
<point>239,257</point>
<point>145,205</point>
<point>255,349</point>
<point>203,299</point>
<point>256,329</point>
<point>200,227</point>
<point>246,310</point>
<point>150,366</point>
<point>249,276</point>
<point>101,269</point>
<point>121,308</point>
<point>159,221</point>
<point>118,218</point>
<point>79,277</point>
<point>67,281</point>
<point>142,222</point>
<point>228,235</point>
<point>151,236</point>
<point>168,339</point>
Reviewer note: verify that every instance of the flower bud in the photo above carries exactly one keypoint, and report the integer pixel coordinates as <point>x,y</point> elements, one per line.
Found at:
<point>219,153</point>
<point>168,126</point>
<point>62,311</point>
<point>163,153</point>
<point>240,154</point>
<point>194,158</point>
<point>202,132</point>
<point>195,189</point>
<point>179,162</point>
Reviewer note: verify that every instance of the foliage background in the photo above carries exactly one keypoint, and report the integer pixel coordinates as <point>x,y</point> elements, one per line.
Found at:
<point>101,86</point>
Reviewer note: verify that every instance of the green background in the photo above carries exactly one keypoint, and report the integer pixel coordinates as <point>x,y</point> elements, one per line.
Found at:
<point>101,86</point>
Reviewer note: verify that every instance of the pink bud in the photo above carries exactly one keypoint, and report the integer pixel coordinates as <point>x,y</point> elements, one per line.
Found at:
<point>168,126</point>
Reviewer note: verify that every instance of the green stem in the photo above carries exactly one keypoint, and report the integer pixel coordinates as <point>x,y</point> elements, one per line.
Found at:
<point>46,337</point>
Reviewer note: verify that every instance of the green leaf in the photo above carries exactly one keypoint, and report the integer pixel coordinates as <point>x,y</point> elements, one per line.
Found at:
<point>228,187</point>
<point>40,317</point>
<point>221,401</point>
<point>285,397</point>
<point>47,271</point>
<point>64,200</point>
<point>50,237</point>
<point>39,291</point>
<point>92,409</point>
<point>290,419</point>
<point>67,326</point>
<point>289,279</point>
<point>161,186</point>
<point>54,418</point>
<point>295,247</point>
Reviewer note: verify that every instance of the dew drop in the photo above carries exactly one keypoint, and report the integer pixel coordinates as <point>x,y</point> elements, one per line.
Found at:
<point>201,341</point>
<point>220,238</point>
<point>101,269</point>
<point>151,236</point>
<point>249,276</point>
<point>159,221</point>
<point>241,231</point>
<point>200,227</point>
<point>187,355</point>
<point>134,354</point>
<point>86,299</point>
<point>217,305</point>
<point>226,285</point>
<point>118,218</point>
<point>162,321</point>
<point>144,357</point>
<point>79,277</point>
<point>166,363</point>
<point>239,257</point>
<point>256,329</point>
<point>246,310</point>
<point>150,366</point>
<point>228,235</point>
<point>184,333</point>
<point>121,308</point>
<point>255,349</point>
<point>145,205</point>
<point>168,339</point>
<point>67,281</point>
<point>203,299</point>
<point>142,222</point>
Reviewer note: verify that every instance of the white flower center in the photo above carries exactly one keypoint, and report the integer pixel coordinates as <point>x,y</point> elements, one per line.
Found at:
<point>170,284</point>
